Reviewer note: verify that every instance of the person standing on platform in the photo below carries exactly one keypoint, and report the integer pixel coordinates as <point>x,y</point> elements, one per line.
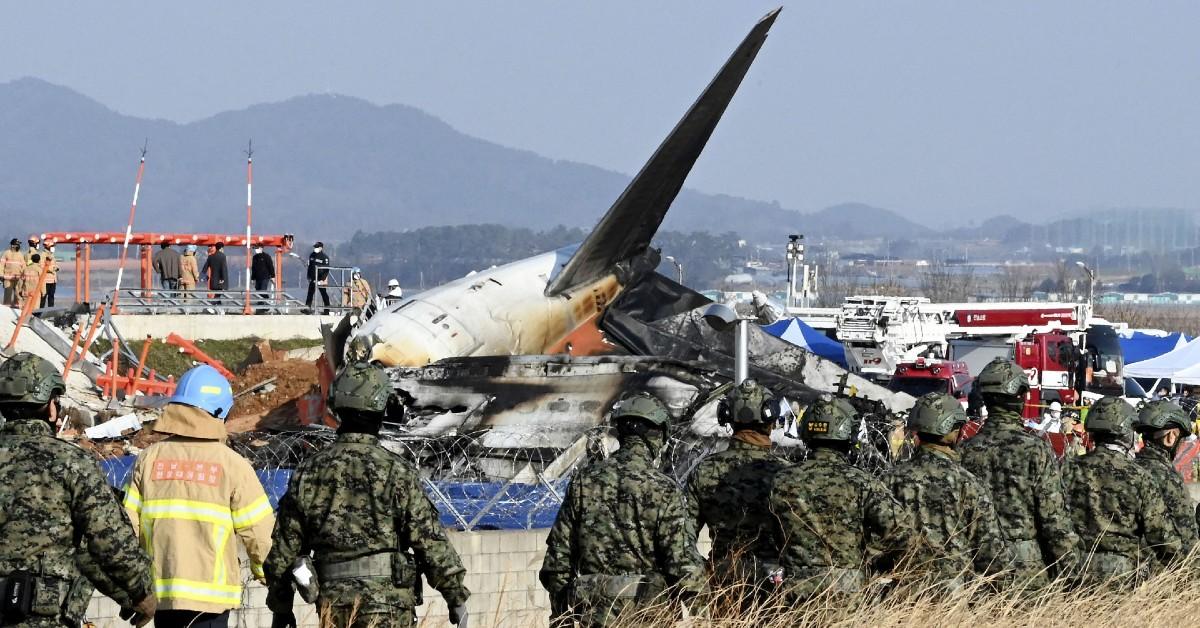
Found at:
<point>12,269</point>
<point>189,272</point>
<point>318,276</point>
<point>50,286</point>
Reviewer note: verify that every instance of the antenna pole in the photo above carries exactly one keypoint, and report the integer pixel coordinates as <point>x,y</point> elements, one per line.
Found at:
<point>137,188</point>
<point>249,206</point>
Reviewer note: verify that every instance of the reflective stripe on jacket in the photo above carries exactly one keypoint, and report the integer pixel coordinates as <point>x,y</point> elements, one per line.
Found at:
<point>188,496</point>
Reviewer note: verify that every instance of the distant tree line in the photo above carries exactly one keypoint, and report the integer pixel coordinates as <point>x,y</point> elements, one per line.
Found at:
<point>426,257</point>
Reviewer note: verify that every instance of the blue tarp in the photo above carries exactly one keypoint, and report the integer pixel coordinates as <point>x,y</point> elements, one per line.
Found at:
<point>481,505</point>
<point>800,334</point>
<point>1143,344</point>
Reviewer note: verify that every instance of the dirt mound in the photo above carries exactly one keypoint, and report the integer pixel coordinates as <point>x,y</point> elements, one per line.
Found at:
<point>276,404</point>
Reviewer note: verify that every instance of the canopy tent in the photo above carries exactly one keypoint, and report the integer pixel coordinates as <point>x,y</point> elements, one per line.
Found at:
<point>1168,365</point>
<point>1138,345</point>
<point>1189,376</point>
<point>798,333</point>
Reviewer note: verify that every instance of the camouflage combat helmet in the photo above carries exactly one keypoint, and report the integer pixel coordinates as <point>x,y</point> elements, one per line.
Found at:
<point>1002,376</point>
<point>1111,416</point>
<point>643,405</point>
<point>745,403</point>
<point>1162,414</point>
<point>830,420</point>
<point>28,379</point>
<point>936,414</point>
<point>360,386</point>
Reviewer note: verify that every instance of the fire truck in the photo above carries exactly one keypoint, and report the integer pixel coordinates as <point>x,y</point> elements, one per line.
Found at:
<point>1052,361</point>
<point>881,333</point>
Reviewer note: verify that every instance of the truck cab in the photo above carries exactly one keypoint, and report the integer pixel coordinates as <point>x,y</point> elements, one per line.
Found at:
<point>1051,361</point>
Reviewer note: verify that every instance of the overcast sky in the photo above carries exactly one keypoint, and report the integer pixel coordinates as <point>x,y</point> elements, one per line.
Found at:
<point>951,111</point>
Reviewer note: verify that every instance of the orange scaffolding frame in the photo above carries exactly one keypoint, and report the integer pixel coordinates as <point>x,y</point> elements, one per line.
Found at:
<point>84,241</point>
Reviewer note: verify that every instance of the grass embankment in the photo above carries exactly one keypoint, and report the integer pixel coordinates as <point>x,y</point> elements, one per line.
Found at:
<point>170,360</point>
<point>1169,599</point>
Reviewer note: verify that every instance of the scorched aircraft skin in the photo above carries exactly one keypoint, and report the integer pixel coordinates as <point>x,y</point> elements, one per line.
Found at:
<point>549,303</point>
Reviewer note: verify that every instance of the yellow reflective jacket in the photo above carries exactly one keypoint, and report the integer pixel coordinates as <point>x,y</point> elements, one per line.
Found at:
<point>12,265</point>
<point>29,280</point>
<point>188,496</point>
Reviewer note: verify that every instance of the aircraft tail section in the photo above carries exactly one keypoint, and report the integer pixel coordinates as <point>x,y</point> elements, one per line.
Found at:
<point>630,224</point>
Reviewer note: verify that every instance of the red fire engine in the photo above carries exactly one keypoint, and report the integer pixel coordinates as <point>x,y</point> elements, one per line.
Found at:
<point>1049,359</point>
<point>925,376</point>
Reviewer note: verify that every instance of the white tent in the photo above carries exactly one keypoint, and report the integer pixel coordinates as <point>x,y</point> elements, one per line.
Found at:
<point>1190,376</point>
<point>1170,365</point>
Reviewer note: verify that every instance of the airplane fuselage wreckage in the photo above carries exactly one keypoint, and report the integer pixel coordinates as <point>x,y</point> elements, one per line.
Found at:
<point>532,354</point>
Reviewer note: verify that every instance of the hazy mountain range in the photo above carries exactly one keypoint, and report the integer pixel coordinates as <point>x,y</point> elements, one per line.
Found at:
<point>328,166</point>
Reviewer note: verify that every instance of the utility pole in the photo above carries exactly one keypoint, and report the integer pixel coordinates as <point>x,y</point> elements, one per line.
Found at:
<point>795,258</point>
<point>678,268</point>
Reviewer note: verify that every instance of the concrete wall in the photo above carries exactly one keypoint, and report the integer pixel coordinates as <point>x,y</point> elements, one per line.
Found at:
<point>216,327</point>
<point>502,571</point>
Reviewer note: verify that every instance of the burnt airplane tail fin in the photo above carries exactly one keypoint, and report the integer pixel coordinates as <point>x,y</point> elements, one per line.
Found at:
<point>630,224</point>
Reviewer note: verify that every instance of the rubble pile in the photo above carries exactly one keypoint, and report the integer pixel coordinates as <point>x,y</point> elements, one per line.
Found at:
<point>275,404</point>
<point>270,392</point>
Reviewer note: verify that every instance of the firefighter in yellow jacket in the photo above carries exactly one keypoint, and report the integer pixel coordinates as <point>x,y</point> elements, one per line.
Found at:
<point>190,496</point>
<point>32,280</point>
<point>12,269</point>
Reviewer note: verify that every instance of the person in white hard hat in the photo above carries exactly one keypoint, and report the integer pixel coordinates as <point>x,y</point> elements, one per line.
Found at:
<point>394,293</point>
<point>1051,419</point>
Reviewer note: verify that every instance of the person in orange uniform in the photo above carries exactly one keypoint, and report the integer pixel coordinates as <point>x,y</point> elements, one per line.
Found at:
<point>189,496</point>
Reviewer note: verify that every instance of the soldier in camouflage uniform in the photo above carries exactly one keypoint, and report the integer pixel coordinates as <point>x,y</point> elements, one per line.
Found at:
<point>60,524</point>
<point>621,539</point>
<point>729,491</point>
<point>835,524</point>
<point>360,511</point>
<point>958,533</point>
<point>1024,479</point>
<point>1163,425</point>
<point>1117,508</point>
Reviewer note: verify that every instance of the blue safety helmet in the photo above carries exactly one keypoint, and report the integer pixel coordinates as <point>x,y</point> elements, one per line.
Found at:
<point>191,248</point>
<point>204,388</point>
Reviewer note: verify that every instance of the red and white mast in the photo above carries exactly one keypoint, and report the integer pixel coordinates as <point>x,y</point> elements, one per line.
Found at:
<point>249,206</point>
<point>137,188</point>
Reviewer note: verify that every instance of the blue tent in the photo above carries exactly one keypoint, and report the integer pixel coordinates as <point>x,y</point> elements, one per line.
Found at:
<point>798,333</point>
<point>1142,344</point>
